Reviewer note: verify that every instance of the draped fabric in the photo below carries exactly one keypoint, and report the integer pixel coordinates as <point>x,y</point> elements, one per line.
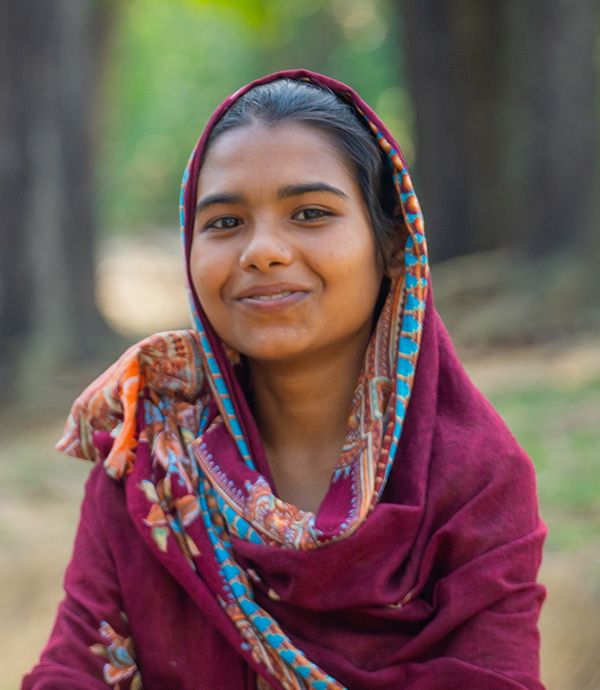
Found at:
<point>418,570</point>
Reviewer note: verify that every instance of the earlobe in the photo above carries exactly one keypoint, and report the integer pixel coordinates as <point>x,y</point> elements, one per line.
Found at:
<point>394,265</point>
<point>393,250</point>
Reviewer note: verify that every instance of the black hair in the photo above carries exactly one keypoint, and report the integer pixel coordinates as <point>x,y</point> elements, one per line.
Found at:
<point>287,100</point>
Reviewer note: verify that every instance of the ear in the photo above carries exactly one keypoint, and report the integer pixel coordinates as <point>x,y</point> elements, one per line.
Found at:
<point>394,261</point>
<point>395,265</point>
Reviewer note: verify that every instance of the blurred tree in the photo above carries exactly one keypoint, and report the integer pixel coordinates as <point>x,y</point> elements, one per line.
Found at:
<point>506,97</point>
<point>173,61</point>
<point>51,57</point>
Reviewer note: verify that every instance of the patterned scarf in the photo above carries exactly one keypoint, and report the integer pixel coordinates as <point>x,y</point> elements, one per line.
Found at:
<point>179,393</point>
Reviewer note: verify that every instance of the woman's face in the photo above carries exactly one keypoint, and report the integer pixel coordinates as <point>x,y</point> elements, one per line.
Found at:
<point>283,257</point>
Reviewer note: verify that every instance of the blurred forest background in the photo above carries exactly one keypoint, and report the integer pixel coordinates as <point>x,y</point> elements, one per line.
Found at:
<point>496,108</point>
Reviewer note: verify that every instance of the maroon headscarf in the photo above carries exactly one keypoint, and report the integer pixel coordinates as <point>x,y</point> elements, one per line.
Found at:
<point>418,571</point>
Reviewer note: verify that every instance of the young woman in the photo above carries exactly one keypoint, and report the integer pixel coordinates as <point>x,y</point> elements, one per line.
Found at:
<point>305,490</point>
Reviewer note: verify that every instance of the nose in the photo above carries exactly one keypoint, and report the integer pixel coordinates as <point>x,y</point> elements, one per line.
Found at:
<point>265,247</point>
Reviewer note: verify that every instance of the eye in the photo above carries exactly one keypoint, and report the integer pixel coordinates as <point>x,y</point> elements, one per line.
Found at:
<point>223,223</point>
<point>311,214</point>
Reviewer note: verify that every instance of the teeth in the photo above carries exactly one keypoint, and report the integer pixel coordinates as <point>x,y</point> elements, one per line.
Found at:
<point>267,298</point>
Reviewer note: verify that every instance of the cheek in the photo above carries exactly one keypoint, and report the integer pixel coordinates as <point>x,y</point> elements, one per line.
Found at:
<point>206,277</point>
<point>352,285</point>
<point>352,264</point>
<point>341,249</point>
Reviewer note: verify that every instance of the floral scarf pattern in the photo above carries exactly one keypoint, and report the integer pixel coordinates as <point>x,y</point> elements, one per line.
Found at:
<point>120,658</point>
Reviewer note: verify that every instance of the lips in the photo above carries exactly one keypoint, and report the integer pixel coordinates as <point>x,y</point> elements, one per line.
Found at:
<point>274,295</point>
<point>271,298</point>
<point>271,291</point>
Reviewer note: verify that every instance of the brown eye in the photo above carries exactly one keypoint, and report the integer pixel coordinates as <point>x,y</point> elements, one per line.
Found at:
<point>224,223</point>
<point>311,214</point>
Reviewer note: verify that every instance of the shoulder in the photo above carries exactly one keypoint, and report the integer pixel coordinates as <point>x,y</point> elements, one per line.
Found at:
<point>167,364</point>
<point>171,363</point>
<point>477,465</point>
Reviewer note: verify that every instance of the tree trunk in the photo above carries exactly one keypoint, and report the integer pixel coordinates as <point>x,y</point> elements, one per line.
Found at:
<point>50,68</point>
<point>555,121</point>
<point>506,108</point>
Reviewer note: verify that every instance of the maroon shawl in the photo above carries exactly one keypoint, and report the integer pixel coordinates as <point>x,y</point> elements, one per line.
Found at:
<point>429,582</point>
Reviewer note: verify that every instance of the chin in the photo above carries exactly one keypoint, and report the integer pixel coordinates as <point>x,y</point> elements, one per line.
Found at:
<point>273,350</point>
<point>273,354</point>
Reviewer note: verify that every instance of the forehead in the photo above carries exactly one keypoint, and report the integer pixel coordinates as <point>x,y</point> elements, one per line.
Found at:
<point>280,154</point>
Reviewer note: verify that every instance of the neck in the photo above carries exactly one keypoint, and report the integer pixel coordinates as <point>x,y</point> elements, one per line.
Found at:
<point>302,408</point>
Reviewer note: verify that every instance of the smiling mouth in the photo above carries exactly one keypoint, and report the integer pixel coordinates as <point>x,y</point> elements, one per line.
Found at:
<point>274,296</point>
<point>267,301</point>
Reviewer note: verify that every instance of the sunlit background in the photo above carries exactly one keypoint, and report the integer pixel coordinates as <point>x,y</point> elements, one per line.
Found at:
<point>496,108</point>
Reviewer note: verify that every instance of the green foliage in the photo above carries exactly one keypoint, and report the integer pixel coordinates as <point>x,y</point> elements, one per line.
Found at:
<point>559,429</point>
<point>171,64</point>
<point>173,61</point>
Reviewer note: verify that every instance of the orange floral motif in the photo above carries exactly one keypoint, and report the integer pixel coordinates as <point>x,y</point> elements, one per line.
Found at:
<point>188,508</point>
<point>282,522</point>
<point>156,518</point>
<point>110,403</point>
<point>120,655</point>
<point>162,522</point>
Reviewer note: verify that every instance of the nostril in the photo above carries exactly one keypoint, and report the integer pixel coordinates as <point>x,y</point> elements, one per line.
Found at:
<point>262,256</point>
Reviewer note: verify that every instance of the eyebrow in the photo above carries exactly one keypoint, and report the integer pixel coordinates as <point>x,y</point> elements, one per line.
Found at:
<point>297,189</point>
<point>282,193</point>
<point>219,198</point>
